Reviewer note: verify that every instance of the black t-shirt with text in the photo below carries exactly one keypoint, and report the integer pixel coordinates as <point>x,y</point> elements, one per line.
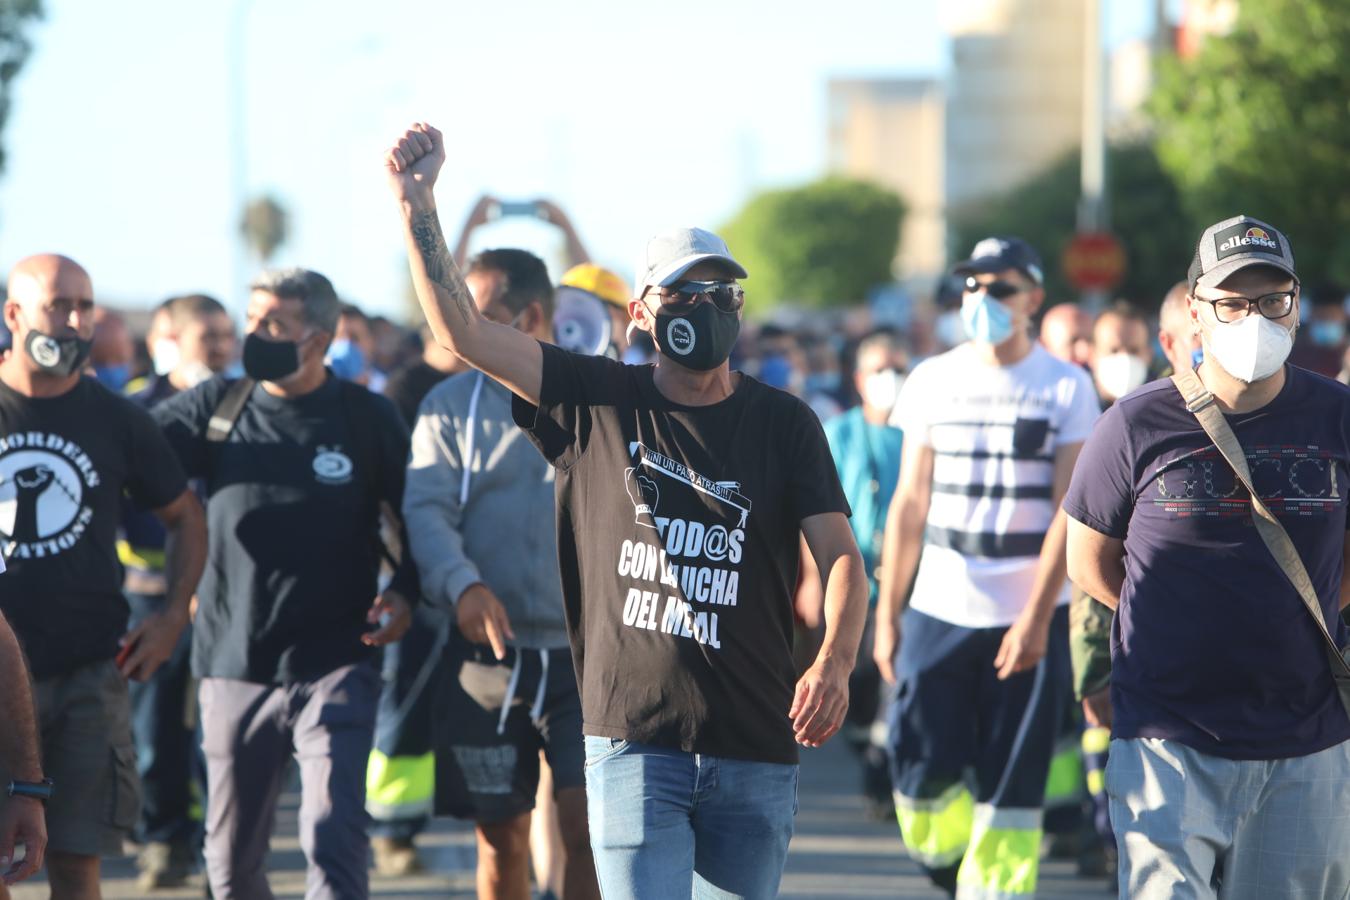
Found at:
<point>678,547</point>
<point>292,520</point>
<point>64,464</point>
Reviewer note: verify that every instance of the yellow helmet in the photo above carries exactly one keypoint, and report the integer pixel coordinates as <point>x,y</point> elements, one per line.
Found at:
<point>599,281</point>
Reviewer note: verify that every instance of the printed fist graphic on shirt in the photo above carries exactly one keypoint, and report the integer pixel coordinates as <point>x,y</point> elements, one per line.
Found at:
<point>644,493</point>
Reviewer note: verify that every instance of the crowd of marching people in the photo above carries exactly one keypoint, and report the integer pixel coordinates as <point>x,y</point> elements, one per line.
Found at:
<point>586,564</point>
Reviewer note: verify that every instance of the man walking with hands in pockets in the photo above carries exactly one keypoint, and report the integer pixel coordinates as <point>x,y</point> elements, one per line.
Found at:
<point>682,488</point>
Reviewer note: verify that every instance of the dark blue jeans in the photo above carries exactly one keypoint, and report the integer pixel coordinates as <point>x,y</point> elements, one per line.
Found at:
<point>168,750</point>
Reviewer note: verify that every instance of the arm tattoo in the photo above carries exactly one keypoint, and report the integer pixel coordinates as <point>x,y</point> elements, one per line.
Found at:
<point>440,266</point>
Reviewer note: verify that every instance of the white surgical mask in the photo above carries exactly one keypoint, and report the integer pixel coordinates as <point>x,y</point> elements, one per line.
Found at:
<point>1120,373</point>
<point>880,389</point>
<point>164,355</point>
<point>1250,349</point>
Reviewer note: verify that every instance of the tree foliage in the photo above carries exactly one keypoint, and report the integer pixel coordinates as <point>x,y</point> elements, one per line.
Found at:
<point>1258,123</point>
<point>1145,215</point>
<point>265,226</point>
<point>15,16</point>
<point>820,245</point>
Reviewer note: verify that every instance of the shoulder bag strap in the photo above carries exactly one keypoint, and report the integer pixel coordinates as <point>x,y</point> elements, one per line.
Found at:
<point>228,409</point>
<point>1202,405</point>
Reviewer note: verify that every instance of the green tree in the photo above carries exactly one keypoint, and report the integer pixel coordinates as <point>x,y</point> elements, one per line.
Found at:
<point>265,226</point>
<point>822,244</point>
<point>1258,123</point>
<point>1145,206</point>
<point>15,15</point>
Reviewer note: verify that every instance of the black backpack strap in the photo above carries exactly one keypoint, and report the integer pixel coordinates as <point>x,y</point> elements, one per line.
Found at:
<point>227,410</point>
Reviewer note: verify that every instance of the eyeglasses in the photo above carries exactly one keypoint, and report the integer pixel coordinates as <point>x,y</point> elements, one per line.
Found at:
<point>999,290</point>
<point>683,296</point>
<point>1272,306</point>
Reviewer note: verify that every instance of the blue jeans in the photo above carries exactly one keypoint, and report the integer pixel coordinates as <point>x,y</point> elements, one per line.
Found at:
<point>666,824</point>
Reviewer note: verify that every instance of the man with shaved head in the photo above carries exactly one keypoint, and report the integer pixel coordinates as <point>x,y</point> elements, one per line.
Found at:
<point>1176,333</point>
<point>69,448</point>
<point>1066,331</point>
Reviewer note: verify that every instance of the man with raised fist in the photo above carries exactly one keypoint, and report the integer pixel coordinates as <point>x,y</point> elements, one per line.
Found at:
<point>682,635</point>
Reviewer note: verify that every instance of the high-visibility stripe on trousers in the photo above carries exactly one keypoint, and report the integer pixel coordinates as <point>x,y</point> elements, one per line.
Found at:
<point>970,754</point>
<point>400,787</point>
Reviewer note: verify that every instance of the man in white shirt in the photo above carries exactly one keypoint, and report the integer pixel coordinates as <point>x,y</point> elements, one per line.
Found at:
<point>992,430</point>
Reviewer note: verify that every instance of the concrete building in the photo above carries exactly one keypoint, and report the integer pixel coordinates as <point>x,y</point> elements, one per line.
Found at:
<point>891,131</point>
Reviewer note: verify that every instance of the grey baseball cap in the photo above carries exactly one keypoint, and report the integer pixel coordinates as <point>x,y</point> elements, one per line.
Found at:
<point>1234,244</point>
<point>672,253</point>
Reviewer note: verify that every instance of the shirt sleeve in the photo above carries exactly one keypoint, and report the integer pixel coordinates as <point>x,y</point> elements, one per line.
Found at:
<point>1101,493</point>
<point>1080,406</point>
<point>571,384</point>
<point>432,507</point>
<point>183,417</point>
<point>912,409</point>
<point>813,479</point>
<point>392,436</point>
<point>155,477</point>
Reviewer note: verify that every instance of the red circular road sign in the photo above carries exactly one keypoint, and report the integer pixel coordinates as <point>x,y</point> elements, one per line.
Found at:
<point>1094,261</point>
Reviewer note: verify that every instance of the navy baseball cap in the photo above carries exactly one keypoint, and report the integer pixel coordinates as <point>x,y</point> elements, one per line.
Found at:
<point>994,254</point>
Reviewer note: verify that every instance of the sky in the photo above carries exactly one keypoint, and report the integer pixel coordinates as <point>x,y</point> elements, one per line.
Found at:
<point>138,129</point>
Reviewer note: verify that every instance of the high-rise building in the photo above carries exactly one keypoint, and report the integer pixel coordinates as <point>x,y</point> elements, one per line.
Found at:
<point>1015,93</point>
<point>890,131</point>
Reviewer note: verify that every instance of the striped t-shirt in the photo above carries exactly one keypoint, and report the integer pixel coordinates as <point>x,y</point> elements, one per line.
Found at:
<point>994,431</point>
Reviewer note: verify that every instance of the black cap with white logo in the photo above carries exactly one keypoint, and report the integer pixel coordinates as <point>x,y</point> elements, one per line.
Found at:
<point>1233,245</point>
<point>995,254</point>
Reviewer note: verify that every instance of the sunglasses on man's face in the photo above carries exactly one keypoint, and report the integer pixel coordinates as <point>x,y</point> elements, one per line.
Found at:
<point>999,290</point>
<point>683,296</point>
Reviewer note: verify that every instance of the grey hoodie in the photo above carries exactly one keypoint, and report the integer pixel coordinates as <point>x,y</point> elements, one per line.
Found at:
<point>496,526</point>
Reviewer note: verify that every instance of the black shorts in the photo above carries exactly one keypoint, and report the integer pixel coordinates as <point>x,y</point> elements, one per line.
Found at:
<point>487,765</point>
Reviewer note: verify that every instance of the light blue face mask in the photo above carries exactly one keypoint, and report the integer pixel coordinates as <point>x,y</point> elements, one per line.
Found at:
<point>986,319</point>
<point>345,359</point>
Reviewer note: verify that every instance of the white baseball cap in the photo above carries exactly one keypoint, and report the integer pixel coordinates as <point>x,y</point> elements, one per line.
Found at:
<point>672,253</point>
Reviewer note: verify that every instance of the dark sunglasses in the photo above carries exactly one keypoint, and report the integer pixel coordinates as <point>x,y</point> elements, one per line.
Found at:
<point>999,290</point>
<point>683,296</point>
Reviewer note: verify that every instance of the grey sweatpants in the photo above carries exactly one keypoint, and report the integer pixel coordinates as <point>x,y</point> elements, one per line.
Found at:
<point>1191,826</point>
<point>248,731</point>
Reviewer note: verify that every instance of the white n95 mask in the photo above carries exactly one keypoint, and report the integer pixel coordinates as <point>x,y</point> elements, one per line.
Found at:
<point>1251,349</point>
<point>1120,373</point>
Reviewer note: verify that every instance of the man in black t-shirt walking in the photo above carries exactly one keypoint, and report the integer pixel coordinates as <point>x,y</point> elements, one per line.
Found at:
<point>682,490</point>
<point>69,447</point>
<point>298,465</point>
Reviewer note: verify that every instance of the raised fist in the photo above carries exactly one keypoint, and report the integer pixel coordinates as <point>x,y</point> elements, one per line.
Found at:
<point>414,161</point>
<point>645,494</point>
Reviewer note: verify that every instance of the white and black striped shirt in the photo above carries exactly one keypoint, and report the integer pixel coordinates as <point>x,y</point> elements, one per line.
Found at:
<point>994,431</point>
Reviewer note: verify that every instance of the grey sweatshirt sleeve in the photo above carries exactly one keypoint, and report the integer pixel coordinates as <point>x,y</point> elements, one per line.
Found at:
<point>431,503</point>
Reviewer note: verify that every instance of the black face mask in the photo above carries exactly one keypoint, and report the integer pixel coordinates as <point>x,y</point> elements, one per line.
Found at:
<point>700,339</point>
<point>266,360</point>
<point>57,356</point>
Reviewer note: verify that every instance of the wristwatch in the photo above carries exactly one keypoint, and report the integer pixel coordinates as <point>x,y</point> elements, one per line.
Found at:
<point>38,790</point>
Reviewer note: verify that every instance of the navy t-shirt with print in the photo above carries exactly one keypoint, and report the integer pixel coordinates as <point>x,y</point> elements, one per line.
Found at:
<point>678,549</point>
<point>1211,646</point>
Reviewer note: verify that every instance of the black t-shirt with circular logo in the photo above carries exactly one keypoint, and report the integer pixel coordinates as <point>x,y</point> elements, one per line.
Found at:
<point>64,465</point>
<point>293,520</point>
<point>678,537</point>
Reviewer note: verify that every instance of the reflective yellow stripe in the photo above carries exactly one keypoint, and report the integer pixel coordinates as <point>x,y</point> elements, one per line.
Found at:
<point>1066,776</point>
<point>400,785</point>
<point>1096,740</point>
<point>1004,854</point>
<point>936,831</point>
<point>144,558</point>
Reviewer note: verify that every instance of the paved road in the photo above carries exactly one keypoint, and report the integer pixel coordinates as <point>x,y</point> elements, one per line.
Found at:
<point>838,852</point>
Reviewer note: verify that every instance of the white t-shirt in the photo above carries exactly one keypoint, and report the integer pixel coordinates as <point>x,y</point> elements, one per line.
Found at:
<point>994,431</point>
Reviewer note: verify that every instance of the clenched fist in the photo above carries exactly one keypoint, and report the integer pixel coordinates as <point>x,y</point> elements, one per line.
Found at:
<point>414,161</point>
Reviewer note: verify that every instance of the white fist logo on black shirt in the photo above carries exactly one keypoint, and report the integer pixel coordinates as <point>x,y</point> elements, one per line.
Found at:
<point>643,491</point>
